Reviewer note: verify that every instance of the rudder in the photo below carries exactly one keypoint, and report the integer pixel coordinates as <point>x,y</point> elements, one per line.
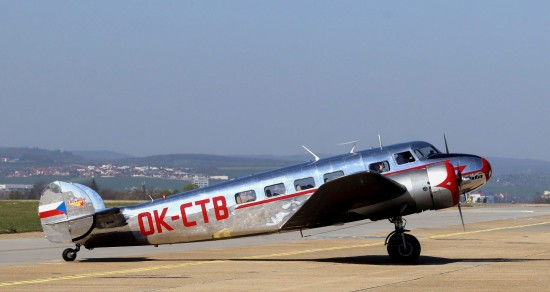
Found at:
<point>66,211</point>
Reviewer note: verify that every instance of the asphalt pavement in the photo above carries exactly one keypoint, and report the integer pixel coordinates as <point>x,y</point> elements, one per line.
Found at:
<point>503,248</point>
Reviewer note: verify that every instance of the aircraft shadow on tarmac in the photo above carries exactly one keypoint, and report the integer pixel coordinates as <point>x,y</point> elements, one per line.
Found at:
<point>118,260</point>
<point>360,260</point>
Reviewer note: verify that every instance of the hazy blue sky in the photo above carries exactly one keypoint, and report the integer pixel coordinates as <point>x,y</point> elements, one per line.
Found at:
<point>256,77</point>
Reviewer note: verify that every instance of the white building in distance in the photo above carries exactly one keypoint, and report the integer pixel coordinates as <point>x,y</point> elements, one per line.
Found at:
<point>200,181</point>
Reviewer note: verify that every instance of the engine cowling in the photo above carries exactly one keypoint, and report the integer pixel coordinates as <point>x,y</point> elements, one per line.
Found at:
<point>435,188</point>
<point>429,188</point>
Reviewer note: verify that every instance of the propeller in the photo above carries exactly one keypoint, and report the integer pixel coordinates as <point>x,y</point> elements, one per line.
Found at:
<point>459,181</point>
<point>446,146</point>
<point>461,218</point>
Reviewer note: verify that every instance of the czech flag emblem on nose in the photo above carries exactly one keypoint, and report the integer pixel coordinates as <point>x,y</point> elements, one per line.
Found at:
<point>53,209</point>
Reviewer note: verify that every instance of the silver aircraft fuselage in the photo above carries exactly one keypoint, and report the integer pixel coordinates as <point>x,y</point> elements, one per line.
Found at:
<point>394,180</point>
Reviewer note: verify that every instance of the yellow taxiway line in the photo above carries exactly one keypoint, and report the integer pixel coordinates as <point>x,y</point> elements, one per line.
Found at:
<point>161,267</point>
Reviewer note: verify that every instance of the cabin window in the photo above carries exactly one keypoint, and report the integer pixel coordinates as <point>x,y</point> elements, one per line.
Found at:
<point>275,190</point>
<point>304,184</point>
<point>245,197</point>
<point>379,167</point>
<point>333,175</point>
<point>403,157</point>
<point>426,151</point>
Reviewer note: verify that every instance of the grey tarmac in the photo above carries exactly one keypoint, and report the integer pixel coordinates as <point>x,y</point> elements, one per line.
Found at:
<point>504,248</point>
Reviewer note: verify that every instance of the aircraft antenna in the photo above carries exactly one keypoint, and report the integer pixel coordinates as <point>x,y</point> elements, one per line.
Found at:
<point>144,190</point>
<point>310,152</point>
<point>352,151</point>
<point>380,141</point>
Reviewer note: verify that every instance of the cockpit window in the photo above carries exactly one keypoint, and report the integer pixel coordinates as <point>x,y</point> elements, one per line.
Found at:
<point>403,157</point>
<point>426,151</point>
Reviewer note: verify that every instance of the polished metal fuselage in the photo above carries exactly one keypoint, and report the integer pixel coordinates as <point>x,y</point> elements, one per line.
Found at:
<point>214,212</point>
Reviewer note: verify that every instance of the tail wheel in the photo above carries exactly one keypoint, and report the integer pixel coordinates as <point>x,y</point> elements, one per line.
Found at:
<point>69,254</point>
<point>403,248</point>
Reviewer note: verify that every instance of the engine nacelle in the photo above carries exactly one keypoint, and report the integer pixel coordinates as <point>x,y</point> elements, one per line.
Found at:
<point>430,188</point>
<point>435,188</point>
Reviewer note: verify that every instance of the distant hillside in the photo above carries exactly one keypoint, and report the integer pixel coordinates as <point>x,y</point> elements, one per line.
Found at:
<point>101,155</point>
<point>501,166</point>
<point>234,166</point>
<point>201,160</point>
<point>295,158</point>
<point>512,165</point>
<point>39,155</point>
<point>517,177</point>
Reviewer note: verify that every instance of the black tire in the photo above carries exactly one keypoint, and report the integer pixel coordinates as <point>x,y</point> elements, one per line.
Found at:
<point>403,253</point>
<point>69,254</point>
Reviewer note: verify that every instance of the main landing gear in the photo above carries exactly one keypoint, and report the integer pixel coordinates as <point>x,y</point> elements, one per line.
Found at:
<point>402,247</point>
<point>69,254</point>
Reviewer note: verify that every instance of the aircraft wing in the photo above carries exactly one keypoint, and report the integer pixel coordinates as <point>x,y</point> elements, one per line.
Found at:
<point>331,202</point>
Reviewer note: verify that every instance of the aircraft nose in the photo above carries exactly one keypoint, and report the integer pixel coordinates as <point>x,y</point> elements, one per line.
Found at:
<point>486,168</point>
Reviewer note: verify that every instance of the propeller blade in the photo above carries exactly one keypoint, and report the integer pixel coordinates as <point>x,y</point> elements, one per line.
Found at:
<point>461,218</point>
<point>459,181</point>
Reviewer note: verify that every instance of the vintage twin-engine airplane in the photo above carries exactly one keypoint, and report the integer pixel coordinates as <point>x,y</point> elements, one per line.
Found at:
<point>383,183</point>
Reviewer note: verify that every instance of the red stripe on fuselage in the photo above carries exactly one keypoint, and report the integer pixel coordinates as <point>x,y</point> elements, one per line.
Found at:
<point>460,168</point>
<point>277,198</point>
<point>409,169</point>
<point>309,191</point>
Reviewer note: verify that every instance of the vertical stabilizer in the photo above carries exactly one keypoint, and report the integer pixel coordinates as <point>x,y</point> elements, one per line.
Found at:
<point>66,211</point>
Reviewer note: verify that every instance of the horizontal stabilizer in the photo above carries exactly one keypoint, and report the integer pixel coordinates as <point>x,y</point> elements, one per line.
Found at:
<point>63,220</point>
<point>331,203</point>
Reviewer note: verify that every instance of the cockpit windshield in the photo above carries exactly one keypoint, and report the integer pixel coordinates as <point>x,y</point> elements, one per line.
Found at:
<point>425,152</point>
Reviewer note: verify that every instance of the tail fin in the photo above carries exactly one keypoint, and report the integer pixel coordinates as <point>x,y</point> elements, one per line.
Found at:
<point>67,211</point>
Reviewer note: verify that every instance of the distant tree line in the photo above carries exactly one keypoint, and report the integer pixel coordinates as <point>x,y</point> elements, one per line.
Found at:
<point>30,194</point>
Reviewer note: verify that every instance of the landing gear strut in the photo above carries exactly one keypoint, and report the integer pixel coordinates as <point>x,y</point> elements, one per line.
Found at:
<point>69,254</point>
<point>402,247</point>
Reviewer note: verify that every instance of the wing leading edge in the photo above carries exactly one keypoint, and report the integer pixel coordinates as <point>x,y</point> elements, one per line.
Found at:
<point>331,203</point>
